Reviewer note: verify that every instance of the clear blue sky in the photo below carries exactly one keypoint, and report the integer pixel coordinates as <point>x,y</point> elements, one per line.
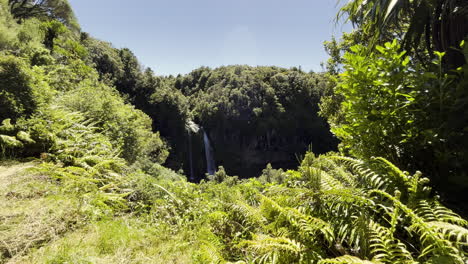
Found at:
<point>177,36</point>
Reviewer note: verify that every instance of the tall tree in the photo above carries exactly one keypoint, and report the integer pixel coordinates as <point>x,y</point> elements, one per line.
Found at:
<point>437,25</point>
<point>55,9</point>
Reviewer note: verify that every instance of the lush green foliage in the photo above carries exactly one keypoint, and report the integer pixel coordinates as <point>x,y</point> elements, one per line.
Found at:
<point>99,194</point>
<point>379,92</point>
<point>258,115</point>
<point>54,9</point>
<point>24,89</point>
<point>422,25</point>
<point>332,210</point>
<point>408,107</point>
<point>399,109</point>
<point>50,93</point>
<point>265,108</point>
<point>396,109</point>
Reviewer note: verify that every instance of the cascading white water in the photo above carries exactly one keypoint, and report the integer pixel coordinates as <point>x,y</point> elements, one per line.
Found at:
<point>190,153</point>
<point>210,163</point>
<point>191,128</point>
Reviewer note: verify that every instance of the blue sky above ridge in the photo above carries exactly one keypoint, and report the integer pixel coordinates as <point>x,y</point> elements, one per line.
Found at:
<point>178,36</point>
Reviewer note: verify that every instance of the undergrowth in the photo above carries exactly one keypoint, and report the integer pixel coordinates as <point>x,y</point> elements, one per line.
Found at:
<point>333,209</point>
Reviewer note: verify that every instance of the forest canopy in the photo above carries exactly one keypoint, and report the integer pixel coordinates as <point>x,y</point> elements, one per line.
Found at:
<point>259,115</point>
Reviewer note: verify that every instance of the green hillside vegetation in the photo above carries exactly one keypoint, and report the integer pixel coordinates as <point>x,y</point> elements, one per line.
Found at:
<point>401,88</point>
<point>253,112</point>
<point>95,149</point>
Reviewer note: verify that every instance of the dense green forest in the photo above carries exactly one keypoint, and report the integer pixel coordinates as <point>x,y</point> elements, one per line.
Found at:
<point>259,115</point>
<point>104,161</point>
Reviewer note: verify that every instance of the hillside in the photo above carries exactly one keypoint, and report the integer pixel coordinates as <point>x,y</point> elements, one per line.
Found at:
<point>43,222</point>
<point>271,111</point>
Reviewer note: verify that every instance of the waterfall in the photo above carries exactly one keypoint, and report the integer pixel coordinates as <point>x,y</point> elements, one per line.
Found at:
<point>191,128</point>
<point>210,163</point>
<point>194,129</point>
<point>190,153</point>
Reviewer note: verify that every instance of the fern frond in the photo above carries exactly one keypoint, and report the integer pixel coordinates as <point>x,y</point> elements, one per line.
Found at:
<point>328,182</point>
<point>433,241</point>
<point>394,170</point>
<point>344,176</point>
<point>267,249</point>
<point>417,187</point>
<point>433,211</point>
<point>209,253</point>
<point>313,176</point>
<point>444,214</point>
<point>248,215</point>
<point>264,243</point>
<point>451,232</point>
<point>292,196</point>
<point>425,210</point>
<point>307,226</point>
<point>339,205</point>
<point>337,171</point>
<point>371,179</point>
<point>385,247</point>
<point>350,196</point>
<point>346,260</point>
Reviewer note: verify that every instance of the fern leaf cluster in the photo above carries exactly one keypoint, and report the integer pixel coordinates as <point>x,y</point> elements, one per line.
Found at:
<point>333,209</point>
<point>340,210</point>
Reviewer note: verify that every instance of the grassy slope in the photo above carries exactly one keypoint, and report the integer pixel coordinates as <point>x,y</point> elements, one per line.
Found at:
<point>41,224</point>
<point>332,208</point>
<point>33,211</point>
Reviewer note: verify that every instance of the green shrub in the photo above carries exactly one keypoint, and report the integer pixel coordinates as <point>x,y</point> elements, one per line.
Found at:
<point>22,89</point>
<point>127,127</point>
<point>30,33</point>
<point>7,27</point>
<point>270,175</point>
<point>337,209</point>
<point>411,115</point>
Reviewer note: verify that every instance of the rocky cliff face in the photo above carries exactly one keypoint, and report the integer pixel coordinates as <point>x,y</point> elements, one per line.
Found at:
<point>246,154</point>
<point>252,116</point>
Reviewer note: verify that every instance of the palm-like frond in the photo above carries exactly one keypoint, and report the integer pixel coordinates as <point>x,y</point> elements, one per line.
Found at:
<point>442,24</point>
